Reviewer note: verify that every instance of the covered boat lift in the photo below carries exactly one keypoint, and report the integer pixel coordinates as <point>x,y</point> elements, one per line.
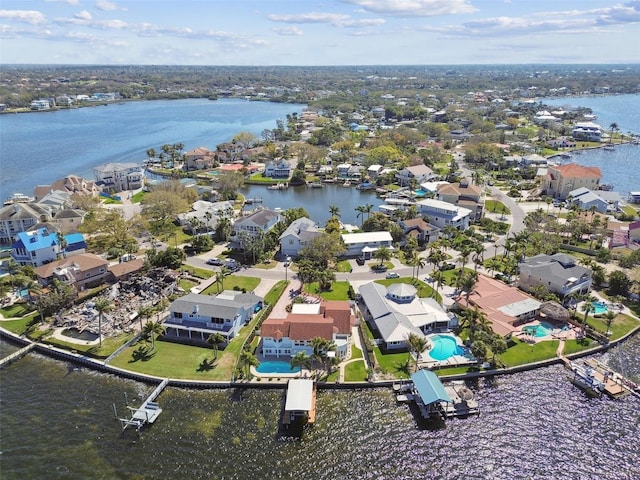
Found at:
<point>300,401</point>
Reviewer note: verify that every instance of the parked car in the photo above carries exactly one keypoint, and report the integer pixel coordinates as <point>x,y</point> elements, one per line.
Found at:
<point>379,268</point>
<point>392,275</point>
<point>360,261</point>
<point>214,261</point>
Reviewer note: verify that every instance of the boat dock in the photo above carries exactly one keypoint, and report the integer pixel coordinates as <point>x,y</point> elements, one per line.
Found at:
<point>147,413</point>
<point>597,378</point>
<point>300,401</point>
<point>16,355</point>
<point>433,399</point>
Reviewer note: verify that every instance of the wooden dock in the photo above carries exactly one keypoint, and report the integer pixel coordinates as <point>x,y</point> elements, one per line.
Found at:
<point>16,355</point>
<point>146,413</point>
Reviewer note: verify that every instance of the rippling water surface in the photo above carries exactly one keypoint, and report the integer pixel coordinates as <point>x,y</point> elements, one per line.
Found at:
<point>58,422</point>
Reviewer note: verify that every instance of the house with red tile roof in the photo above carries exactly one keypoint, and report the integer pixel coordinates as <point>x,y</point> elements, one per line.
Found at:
<point>562,179</point>
<point>199,158</point>
<point>331,320</point>
<point>505,307</point>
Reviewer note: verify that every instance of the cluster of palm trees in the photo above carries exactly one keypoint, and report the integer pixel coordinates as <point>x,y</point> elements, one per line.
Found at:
<point>319,357</point>
<point>168,153</point>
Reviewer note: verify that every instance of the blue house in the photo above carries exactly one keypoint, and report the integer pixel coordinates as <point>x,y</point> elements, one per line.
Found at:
<point>38,247</point>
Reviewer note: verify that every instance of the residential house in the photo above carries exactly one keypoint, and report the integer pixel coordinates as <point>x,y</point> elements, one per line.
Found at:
<point>254,225</point>
<point>505,307</point>
<point>81,271</point>
<point>278,169</point>
<point>68,219</point>
<point>330,320</point>
<point>118,177</point>
<point>423,232</point>
<point>55,201</point>
<point>342,170</point>
<point>396,311</point>
<point>205,215</point>
<point>124,270</point>
<point>72,184</point>
<point>585,199</point>
<point>419,173</point>
<point>634,232</point>
<point>365,243</point>
<point>194,317</point>
<point>19,217</point>
<point>562,179</point>
<point>588,131</point>
<point>40,104</point>
<point>35,248</point>
<point>442,214</point>
<point>374,170</point>
<point>199,158</point>
<point>298,235</point>
<point>463,194</point>
<point>559,273</point>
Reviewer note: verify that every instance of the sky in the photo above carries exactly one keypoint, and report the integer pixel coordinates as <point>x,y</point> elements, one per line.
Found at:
<point>319,32</point>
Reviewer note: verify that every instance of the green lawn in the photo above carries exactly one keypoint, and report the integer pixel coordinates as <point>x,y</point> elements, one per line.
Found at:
<point>339,291</point>
<point>137,198</point>
<point>355,372</point>
<point>496,206</point>
<point>16,310</point>
<point>620,326</point>
<point>574,346</point>
<point>198,272</point>
<point>234,282</point>
<point>523,352</point>
<point>20,325</point>
<point>396,364</point>
<point>343,267</point>
<point>109,345</point>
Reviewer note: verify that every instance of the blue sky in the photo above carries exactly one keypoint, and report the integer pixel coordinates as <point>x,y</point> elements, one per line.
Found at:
<point>318,32</point>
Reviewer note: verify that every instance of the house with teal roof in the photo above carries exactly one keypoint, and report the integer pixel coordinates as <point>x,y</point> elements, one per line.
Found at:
<point>40,246</point>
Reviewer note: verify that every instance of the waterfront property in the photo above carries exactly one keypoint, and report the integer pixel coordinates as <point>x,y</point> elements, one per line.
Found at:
<point>562,179</point>
<point>506,307</point>
<point>38,247</point>
<point>330,320</point>
<point>253,225</point>
<point>19,217</point>
<point>82,271</point>
<point>442,214</point>
<point>364,244</point>
<point>119,176</point>
<point>297,235</point>
<point>300,402</point>
<point>395,312</point>
<point>194,317</point>
<point>559,273</point>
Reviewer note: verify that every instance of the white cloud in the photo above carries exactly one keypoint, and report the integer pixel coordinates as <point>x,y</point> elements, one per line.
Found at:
<point>68,2</point>
<point>288,31</point>
<point>106,5</point>
<point>32,17</point>
<point>312,17</point>
<point>414,8</point>
<point>83,15</point>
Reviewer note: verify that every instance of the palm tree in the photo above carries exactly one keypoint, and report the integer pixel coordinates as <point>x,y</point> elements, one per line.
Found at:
<point>62,244</point>
<point>151,153</point>
<point>151,330</point>
<point>102,305</point>
<point>220,278</point>
<point>334,210</point>
<point>301,360</point>
<point>367,209</point>
<point>144,312</point>
<point>438,279</point>
<point>613,128</point>
<point>417,344</point>
<point>610,315</point>
<point>467,284</point>
<point>383,254</point>
<point>361,209</point>
<point>246,361</point>
<point>587,307</point>
<point>215,339</point>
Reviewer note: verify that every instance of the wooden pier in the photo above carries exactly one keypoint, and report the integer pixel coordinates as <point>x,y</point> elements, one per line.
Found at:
<point>598,378</point>
<point>16,355</point>
<point>147,413</point>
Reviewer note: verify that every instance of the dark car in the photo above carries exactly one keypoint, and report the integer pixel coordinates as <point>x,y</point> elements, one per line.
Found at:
<point>379,268</point>
<point>360,261</point>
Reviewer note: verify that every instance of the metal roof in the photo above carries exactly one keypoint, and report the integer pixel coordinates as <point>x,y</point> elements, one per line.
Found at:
<point>429,387</point>
<point>299,395</point>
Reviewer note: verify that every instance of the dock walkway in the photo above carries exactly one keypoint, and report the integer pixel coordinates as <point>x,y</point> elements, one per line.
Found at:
<point>148,412</point>
<point>16,355</point>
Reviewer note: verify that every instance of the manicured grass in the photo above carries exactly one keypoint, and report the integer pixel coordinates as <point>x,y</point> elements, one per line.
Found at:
<point>109,345</point>
<point>574,346</point>
<point>424,290</point>
<point>186,284</point>
<point>339,291</point>
<point>621,325</point>
<point>355,372</point>
<point>137,198</point>
<point>259,178</point>
<point>233,282</point>
<point>356,353</point>
<point>16,310</point>
<point>523,352</point>
<point>343,266</point>
<point>396,364</point>
<point>198,272</point>
<point>495,206</point>
<point>20,325</point>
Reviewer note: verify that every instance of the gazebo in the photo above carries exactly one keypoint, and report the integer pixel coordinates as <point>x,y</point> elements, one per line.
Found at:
<point>555,311</point>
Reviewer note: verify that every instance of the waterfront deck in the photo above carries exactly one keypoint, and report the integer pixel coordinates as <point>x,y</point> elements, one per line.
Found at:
<point>16,355</point>
<point>146,413</point>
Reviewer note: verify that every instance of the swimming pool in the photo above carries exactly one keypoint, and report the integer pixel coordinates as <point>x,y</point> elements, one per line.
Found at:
<point>78,335</point>
<point>444,346</point>
<point>541,330</point>
<point>275,366</point>
<point>599,308</point>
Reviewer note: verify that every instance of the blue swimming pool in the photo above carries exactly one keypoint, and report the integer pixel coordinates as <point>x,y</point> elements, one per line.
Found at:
<point>275,366</point>
<point>444,346</point>
<point>541,330</point>
<point>599,308</point>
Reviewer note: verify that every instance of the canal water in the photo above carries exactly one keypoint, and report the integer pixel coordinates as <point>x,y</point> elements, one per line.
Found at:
<point>58,423</point>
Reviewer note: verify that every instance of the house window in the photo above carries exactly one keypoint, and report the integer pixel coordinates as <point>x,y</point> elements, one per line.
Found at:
<point>177,314</point>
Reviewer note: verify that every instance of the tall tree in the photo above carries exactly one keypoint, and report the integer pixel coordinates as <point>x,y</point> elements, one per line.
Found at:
<point>152,330</point>
<point>417,344</point>
<point>215,339</point>
<point>102,305</point>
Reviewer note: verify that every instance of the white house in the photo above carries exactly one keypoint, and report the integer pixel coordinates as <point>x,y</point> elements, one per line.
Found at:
<point>119,176</point>
<point>396,311</point>
<point>585,199</point>
<point>365,243</point>
<point>559,273</point>
<point>330,320</point>
<point>298,235</point>
<point>254,225</point>
<point>421,173</point>
<point>18,217</point>
<point>194,317</point>
<point>279,169</point>
<point>442,213</point>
